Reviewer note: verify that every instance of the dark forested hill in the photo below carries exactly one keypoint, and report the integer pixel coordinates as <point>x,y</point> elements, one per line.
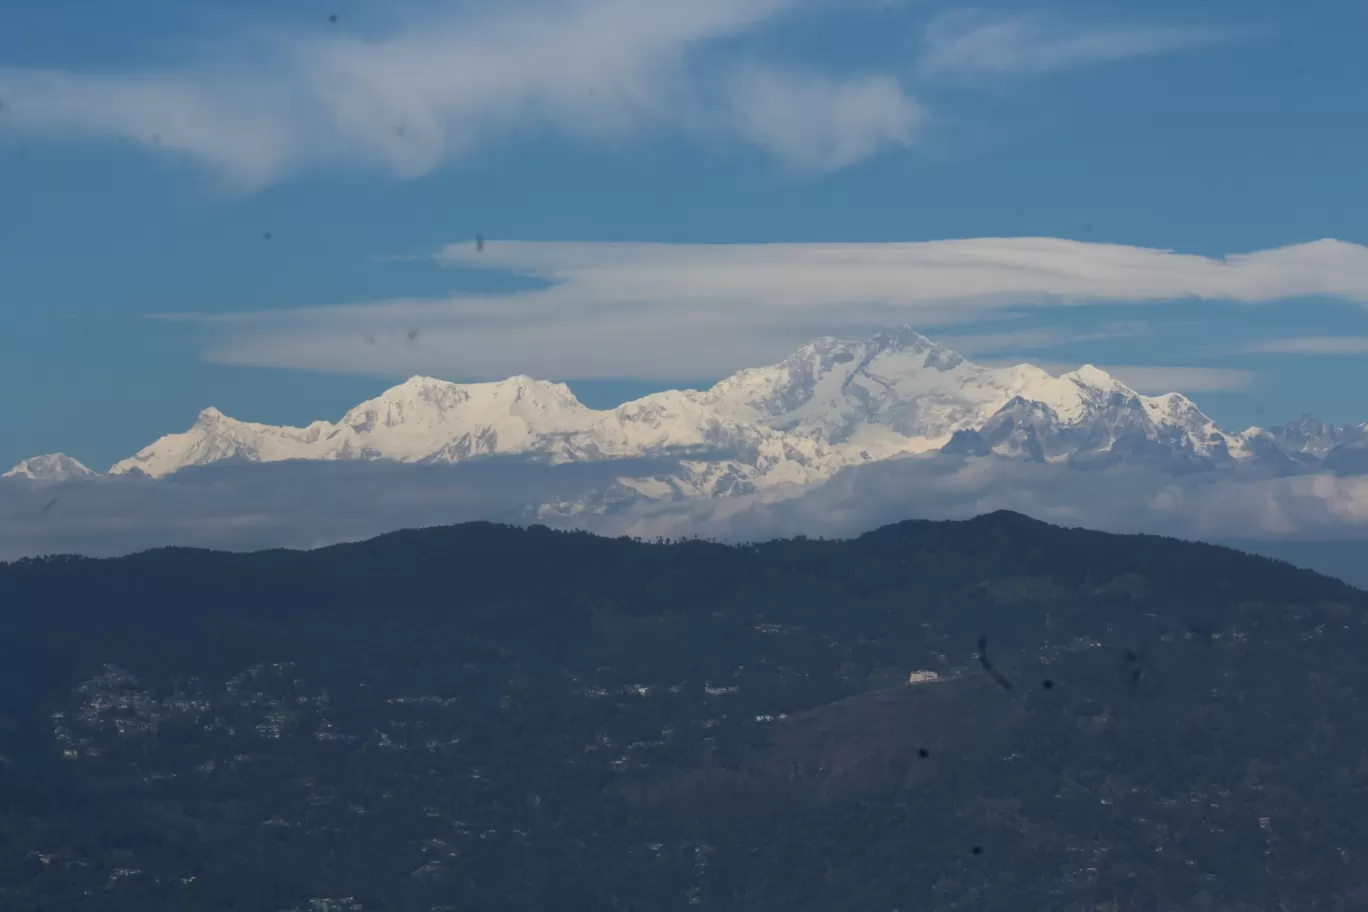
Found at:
<point>483,717</point>
<point>1347,560</point>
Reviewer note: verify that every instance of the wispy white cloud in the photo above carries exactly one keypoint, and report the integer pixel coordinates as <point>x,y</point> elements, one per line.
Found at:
<point>967,44</point>
<point>459,76</point>
<point>232,122</point>
<point>451,78</point>
<point>818,123</point>
<point>1311,345</point>
<point>682,312</point>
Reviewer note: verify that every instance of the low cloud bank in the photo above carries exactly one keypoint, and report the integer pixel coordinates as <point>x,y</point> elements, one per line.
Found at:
<point>1125,500</point>
<point>306,505</point>
<point>285,505</point>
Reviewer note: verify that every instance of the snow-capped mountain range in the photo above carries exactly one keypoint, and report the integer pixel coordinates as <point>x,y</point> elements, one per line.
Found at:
<point>830,405</point>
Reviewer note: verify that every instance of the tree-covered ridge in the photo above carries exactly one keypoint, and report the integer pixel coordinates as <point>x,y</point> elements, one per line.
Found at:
<point>486,717</point>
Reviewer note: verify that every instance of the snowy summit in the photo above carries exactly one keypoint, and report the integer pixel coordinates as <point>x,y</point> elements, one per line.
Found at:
<point>52,467</point>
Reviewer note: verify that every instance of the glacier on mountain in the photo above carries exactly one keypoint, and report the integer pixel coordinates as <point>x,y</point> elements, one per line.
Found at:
<point>831,405</point>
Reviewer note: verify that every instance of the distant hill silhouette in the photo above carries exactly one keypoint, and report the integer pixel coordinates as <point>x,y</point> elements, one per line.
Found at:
<point>487,717</point>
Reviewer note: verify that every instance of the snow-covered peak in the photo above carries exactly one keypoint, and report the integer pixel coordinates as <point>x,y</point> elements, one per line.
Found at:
<point>900,392</point>
<point>1077,394</point>
<point>1305,442</point>
<point>1310,435</point>
<point>1175,408</point>
<point>1092,376</point>
<point>902,338</point>
<point>50,467</point>
<point>426,418</point>
<point>895,392</point>
<point>216,437</point>
<point>1088,392</point>
<point>428,402</point>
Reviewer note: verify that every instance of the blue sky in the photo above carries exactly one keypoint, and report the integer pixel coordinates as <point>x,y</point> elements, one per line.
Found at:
<point>146,149</point>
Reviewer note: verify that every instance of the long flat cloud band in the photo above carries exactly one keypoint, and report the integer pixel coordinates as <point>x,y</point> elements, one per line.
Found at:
<point>685,312</point>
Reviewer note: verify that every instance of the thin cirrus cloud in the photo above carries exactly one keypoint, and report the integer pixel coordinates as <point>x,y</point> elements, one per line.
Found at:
<point>459,76</point>
<point>1310,345</point>
<point>973,44</point>
<point>680,312</point>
